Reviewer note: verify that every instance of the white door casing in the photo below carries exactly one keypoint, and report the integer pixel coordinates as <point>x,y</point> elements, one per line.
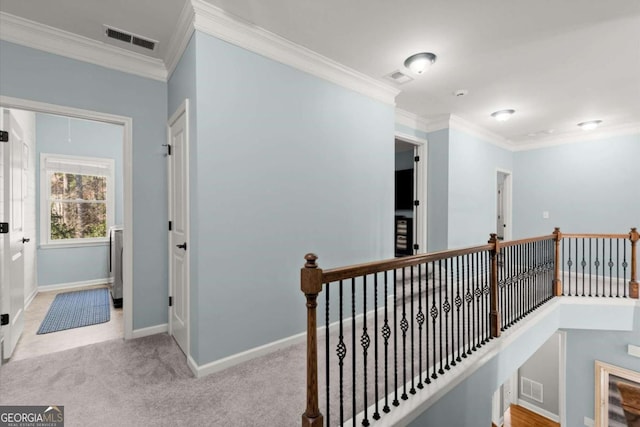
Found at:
<point>13,291</point>
<point>420,190</point>
<point>504,204</point>
<point>127,167</point>
<point>178,196</point>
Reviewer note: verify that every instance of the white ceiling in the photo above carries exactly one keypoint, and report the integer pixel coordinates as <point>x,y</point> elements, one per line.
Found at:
<point>556,63</point>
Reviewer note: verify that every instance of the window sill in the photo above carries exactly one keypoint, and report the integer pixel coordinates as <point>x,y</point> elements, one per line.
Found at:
<point>73,244</point>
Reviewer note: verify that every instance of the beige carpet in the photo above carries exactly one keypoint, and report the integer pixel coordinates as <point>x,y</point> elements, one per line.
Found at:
<point>146,382</point>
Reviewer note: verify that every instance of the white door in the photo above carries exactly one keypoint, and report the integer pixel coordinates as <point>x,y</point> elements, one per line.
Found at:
<point>13,282</point>
<point>178,162</point>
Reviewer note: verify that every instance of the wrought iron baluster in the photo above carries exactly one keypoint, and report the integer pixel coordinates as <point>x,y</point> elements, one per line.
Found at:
<point>353,351</point>
<point>468,297</point>
<point>395,338</point>
<point>446,307</point>
<point>404,326</point>
<point>618,268</point>
<point>583,263</point>
<point>386,333</point>
<point>326,347</point>
<point>365,341</point>
<point>420,320</point>
<point>569,264</point>
<point>590,276</point>
<point>341,351</point>
<point>458,303</point>
<point>486,290</point>
<point>624,268</point>
<point>376,413</point>
<point>434,315</point>
<point>413,388</point>
<point>610,268</point>
<point>596,263</point>
<point>478,295</point>
<point>427,378</point>
<point>441,370</point>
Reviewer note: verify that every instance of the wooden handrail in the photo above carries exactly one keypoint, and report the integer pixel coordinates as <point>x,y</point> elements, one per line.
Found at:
<point>342,273</point>
<point>633,283</point>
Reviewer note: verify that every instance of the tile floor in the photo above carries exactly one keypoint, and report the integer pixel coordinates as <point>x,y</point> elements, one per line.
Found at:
<point>31,344</point>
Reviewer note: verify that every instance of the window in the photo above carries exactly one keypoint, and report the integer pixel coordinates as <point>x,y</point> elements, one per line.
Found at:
<point>76,199</point>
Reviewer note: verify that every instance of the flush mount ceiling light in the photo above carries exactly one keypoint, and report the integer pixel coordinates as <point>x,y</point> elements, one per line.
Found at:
<point>420,62</point>
<point>591,125</point>
<point>503,115</point>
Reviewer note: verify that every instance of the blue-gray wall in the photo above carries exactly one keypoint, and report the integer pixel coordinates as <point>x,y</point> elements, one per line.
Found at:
<point>32,74</point>
<point>62,135</point>
<point>583,349</point>
<point>587,187</point>
<point>594,331</point>
<point>473,165</point>
<point>438,191</point>
<point>286,164</point>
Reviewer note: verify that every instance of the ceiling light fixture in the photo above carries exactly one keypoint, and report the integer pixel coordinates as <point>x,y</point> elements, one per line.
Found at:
<point>591,125</point>
<point>503,115</point>
<point>420,62</point>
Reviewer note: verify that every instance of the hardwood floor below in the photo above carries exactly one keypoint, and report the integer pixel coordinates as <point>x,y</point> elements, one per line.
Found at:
<point>517,416</point>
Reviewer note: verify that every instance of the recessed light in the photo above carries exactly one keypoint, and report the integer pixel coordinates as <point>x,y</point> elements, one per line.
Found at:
<point>590,125</point>
<point>420,62</point>
<point>502,115</point>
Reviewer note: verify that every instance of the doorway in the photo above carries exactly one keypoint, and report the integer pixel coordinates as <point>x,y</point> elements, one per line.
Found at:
<point>503,205</point>
<point>410,219</point>
<point>69,115</point>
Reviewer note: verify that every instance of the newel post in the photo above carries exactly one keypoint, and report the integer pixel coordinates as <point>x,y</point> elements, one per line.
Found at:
<point>494,314</point>
<point>633,284</point>
<point>311,285</point>
<point>557,283</point>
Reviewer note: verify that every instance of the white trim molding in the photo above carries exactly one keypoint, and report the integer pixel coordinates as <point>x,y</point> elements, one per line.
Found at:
<point>35,35</point>
<point>151,330</point>
<point>72,285</point>
<point>538,410</point>
<point>216,22</point>
<point>580,136</point>
<point>180,38</point>
<point>463,125</point>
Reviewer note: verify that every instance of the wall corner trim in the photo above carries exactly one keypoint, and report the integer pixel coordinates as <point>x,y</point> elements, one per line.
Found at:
<point>38,36</point>
<point>214,21</point>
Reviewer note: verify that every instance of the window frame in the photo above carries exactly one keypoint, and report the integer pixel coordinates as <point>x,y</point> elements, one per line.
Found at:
<point>74,165</point>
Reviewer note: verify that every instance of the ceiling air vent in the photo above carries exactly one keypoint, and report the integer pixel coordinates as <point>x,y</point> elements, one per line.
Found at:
<point>130,38</point>
<point>398,77</point>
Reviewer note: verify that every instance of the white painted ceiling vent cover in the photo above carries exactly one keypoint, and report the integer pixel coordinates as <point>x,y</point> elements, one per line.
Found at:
<point>398,77</point>
<point>130,38</point>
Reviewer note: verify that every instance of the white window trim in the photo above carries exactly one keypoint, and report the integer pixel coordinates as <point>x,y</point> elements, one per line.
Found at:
<point>75,163</point>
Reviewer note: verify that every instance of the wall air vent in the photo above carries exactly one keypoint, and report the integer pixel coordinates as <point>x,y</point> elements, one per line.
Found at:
<point>130,38</point>
<point>398,77</point>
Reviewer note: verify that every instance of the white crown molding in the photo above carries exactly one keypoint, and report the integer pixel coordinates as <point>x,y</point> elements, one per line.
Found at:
<point>413,121</point>
<point>581,136</point>
<point>180,38</point>
<point>43,37</point>
<point>216,22</point>
<point>461,124</point>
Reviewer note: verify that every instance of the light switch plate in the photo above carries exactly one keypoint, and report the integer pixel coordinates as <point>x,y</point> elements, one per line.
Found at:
<point>588,422</point>
<point>633,350</point>
<point>545,214</point>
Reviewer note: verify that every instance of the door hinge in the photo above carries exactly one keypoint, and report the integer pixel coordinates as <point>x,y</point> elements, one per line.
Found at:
<point>169,149</point>
<point>170,301</point>
<point>4,136</point>
<point>4,319</point>
<point>416,158</point>
<point>416,246</point>
<point>4,227</point>
<point>170,225</point>
<point>416,203</point>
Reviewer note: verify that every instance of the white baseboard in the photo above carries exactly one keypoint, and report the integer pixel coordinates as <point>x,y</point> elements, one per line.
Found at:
<point>151,330</point>
<point>538,410</point>
<point>29,299</point>
<point>235,359</point>
<point>72,285</point>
